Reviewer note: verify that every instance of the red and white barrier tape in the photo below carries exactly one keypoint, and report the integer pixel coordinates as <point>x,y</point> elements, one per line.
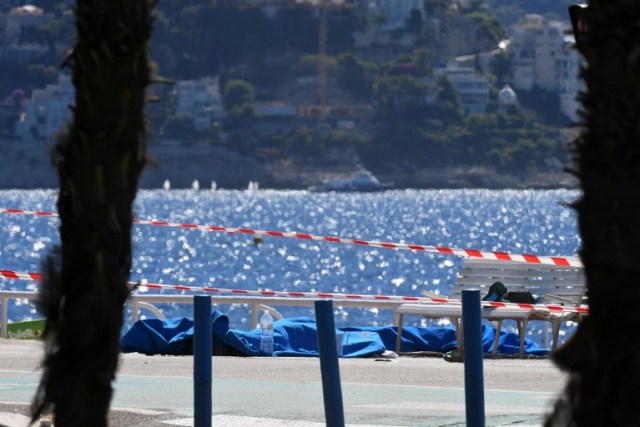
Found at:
<point>552,308</point>
<point>16,275</point>
<point>473,253</point>
<point>23,212</point>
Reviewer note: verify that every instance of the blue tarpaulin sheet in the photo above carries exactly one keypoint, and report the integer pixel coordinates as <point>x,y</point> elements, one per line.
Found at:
<point>298,337</point>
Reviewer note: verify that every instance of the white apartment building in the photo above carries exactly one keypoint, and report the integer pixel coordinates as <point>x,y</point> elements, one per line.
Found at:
<point>472,87</point>
<point>540,58</point>
<point>538,50</point>
<point>201,100</point>
<point>13,27</point>
<point>570,83</point>
<point>23,52</point>
<point>47,111</point>
<point>20,20</point>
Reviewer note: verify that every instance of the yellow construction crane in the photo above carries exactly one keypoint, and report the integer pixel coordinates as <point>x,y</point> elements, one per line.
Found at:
<point>323,75</point>
<point>324,6</point>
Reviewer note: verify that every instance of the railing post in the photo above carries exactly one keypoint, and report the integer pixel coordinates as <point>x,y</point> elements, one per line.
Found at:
<point>473,375</point>
<point>254,315</point>
<point>202,360</point>
<point>135,310</point>
<point>545,335</point>
<point>5,303</point>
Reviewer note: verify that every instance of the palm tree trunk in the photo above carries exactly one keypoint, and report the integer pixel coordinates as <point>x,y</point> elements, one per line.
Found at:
<point>99,161</point>
<point>603,357</point>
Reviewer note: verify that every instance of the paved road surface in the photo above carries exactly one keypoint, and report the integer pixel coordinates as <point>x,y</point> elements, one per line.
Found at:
<point>408,391</point>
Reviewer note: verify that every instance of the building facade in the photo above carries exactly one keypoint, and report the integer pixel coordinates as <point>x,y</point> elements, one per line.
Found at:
<point>542,58</point>
<point>47,110</point>
<point>472,87</point>
<point>15,26</point>
<point>201,100</point>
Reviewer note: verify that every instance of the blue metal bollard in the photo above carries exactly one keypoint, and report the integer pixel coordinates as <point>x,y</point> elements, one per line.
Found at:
<point>473,376</point>
<point>202,351</point>
<point>329,366</point>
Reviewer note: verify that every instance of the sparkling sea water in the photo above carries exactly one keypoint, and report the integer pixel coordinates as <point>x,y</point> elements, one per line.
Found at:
<point>516,221</point>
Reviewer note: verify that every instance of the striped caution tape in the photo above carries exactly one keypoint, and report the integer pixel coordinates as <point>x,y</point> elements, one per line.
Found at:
<point>473,253</point>
<point>552,308</point>
<point>8,274</point>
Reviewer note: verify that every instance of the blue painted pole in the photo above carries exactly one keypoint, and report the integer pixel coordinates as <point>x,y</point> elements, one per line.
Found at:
<point>473,376</point>
<point>329,366</point>
<point>202,351</point>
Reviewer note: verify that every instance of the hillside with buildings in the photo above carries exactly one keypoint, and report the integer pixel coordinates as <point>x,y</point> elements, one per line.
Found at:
<point>425,93</point>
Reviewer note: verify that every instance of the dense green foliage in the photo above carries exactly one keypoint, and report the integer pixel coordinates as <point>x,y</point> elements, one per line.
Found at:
<point>259,58</point>
<point>509,11</point>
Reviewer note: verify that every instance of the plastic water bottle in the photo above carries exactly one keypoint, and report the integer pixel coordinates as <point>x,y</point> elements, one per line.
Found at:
<point>266,337</point>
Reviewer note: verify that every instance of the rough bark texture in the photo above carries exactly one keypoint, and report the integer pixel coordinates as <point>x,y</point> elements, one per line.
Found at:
<point>99,161</point>
<point>603,357</point>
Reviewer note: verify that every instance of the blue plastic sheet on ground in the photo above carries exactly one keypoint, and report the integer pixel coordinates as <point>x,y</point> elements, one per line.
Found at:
<point>298,337</point>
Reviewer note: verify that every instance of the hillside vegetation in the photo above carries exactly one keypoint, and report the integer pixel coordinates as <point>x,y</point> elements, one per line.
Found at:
<point>260,58</point>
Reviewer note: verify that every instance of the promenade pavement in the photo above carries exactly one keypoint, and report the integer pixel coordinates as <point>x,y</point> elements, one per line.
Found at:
<point>283,392</point>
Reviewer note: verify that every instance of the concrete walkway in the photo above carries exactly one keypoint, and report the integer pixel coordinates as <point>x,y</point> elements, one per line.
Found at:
<point>408,391</point>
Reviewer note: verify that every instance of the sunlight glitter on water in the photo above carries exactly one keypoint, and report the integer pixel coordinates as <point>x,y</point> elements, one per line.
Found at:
<point>513,221</point>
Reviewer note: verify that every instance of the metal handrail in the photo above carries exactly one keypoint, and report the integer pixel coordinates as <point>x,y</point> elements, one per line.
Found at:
<point>5,296</point>
<point>257,303</point>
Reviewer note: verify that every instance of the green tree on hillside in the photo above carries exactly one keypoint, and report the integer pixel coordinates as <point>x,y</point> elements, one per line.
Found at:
<point>398,93</point>
<point>422,60</point>
<point>238,101</point>
<point>509,11</point>
<point>431,6</point>
<point>178,126</point>
<point>354,75</point>
<point>449,104</point>
<point>488,27</point>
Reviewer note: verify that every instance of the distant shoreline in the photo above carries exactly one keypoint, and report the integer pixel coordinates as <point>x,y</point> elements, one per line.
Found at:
<point>27,166</point>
